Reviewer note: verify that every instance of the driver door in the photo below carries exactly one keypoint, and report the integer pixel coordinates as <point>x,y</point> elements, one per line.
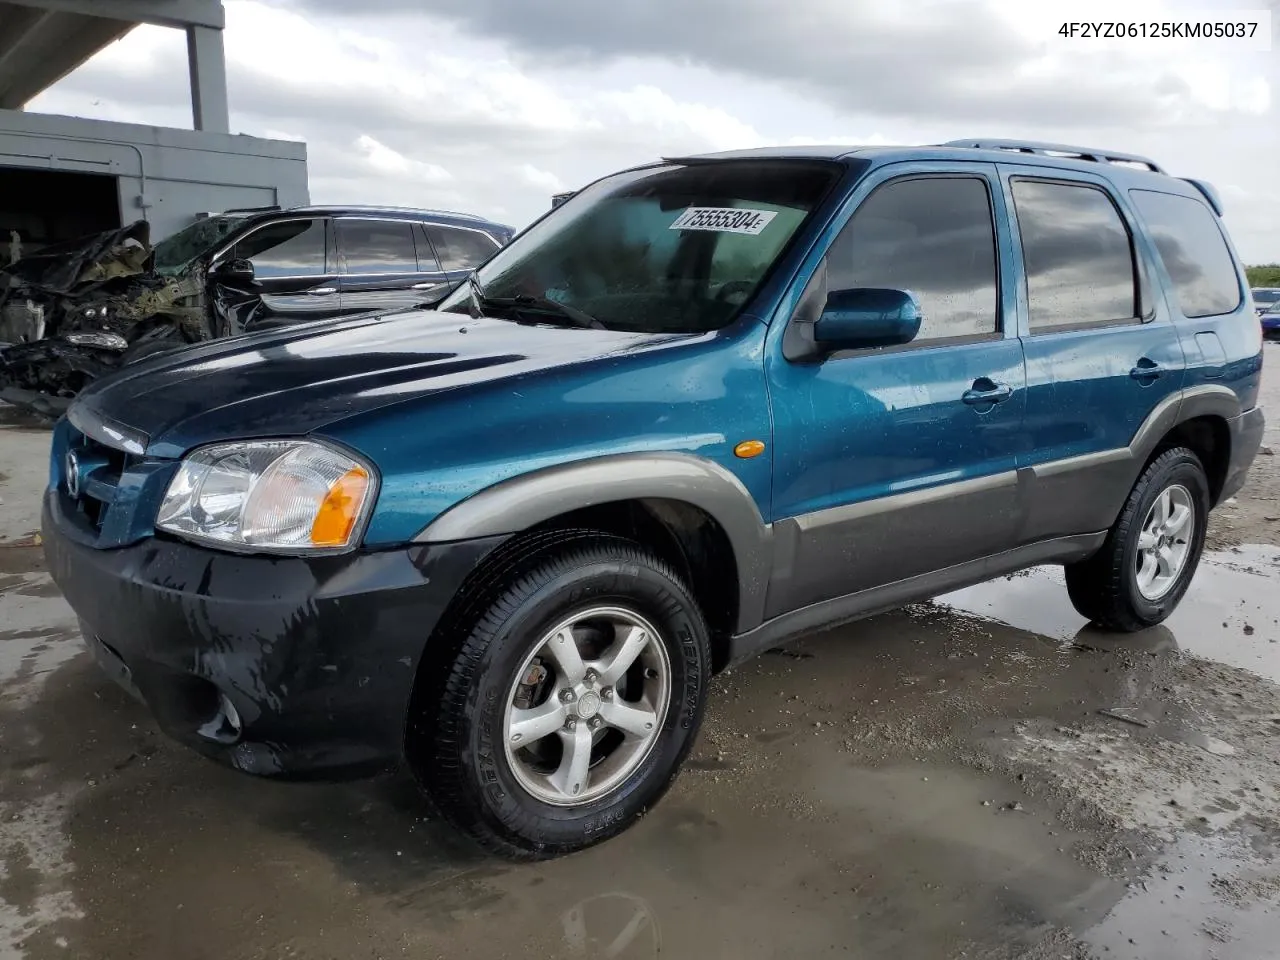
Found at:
<point>295,276</point>
<point>896,462</point>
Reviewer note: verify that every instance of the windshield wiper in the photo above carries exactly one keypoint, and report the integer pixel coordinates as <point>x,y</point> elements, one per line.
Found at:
<point>523,303</point>
<point>477,291</point>
<point>543,305</point>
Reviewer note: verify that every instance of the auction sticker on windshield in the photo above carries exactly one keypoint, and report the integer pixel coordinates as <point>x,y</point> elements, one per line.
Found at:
<point>724,220</point>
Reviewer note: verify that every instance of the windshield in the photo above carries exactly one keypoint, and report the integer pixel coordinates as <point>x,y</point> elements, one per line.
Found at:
<point>177,250</point>
<point>671,249</point>
<point>1266,296</point>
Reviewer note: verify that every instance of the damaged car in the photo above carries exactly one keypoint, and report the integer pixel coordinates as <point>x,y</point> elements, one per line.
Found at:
<point>75,311</point>
<point>273,267</point>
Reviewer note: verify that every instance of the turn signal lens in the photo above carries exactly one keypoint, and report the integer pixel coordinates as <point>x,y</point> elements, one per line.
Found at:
<point>748,449</point>
<point>340,509</point>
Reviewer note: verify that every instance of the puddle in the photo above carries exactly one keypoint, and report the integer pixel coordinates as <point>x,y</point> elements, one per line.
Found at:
<point>1215,897</point>
<point>1231,614</point>
<point>788,849</point>
<point>904,861</point>
<point>39,633</point>
<point>34,869</point>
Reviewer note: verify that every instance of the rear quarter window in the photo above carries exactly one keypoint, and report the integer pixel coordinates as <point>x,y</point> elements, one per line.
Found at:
<point>1193,250</point>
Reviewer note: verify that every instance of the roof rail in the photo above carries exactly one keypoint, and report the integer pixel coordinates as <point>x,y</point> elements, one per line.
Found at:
<point>388,208</point>
<point>252,209</point>
<point>1058,149</point>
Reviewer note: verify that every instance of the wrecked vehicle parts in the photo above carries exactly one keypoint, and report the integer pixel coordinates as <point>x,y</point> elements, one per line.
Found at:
<point>71,313</point>
<point>102,339</point>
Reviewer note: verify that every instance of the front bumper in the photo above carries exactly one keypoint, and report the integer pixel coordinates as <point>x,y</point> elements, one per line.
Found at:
<point>274,665</point>
<point>1246,437</point>
<point>1270,327</point>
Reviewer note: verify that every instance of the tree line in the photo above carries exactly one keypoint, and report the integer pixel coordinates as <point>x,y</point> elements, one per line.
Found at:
<point>1266,275</point>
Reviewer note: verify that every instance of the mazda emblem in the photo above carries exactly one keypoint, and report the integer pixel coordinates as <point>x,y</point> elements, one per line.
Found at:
<point>72,467</point>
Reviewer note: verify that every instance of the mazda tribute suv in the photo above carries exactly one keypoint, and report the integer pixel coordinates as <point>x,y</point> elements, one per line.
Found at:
<point>700,407</point>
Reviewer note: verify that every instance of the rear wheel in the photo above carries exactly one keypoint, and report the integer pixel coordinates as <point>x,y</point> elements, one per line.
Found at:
<point>1151,553</point>
<point>569,703</point>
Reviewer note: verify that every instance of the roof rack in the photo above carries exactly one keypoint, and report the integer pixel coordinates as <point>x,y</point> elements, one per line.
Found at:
<point>1058,150</point>
<point>388,208</point>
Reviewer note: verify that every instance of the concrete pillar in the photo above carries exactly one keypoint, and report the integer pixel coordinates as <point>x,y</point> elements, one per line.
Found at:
<point>208,65</point>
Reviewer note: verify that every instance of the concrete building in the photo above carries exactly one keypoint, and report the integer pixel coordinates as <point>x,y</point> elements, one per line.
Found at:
<point>61,177</point>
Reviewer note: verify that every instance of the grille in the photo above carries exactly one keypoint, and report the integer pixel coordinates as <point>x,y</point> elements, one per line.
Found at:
<point>98,471</point>
<point>108,495</point>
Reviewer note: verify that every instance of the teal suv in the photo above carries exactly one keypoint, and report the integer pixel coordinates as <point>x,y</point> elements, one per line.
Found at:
<point>699,407</point>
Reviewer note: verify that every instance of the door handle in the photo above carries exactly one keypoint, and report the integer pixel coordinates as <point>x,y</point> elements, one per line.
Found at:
<point>1146,370</point>
<point>322,291</point>
<point>986,391</point>
<point>424,286</point>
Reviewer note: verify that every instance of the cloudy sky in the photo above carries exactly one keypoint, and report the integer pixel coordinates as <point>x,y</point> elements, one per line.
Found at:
<point>491,106</point>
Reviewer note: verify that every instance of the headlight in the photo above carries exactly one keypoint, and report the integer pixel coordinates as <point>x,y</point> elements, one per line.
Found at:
<point>279,496</point>
<point>97,338</point>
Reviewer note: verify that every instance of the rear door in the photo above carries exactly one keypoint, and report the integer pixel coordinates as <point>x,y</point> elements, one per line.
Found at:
<point>295,272</point>
<point>1101,349</point>
<point>386,264</point>
<point>460,249</point>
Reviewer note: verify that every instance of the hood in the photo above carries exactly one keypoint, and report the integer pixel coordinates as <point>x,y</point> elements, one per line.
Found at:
<point>292,381</point>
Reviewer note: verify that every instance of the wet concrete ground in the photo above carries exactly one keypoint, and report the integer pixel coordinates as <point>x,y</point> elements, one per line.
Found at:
<point>941,781</point>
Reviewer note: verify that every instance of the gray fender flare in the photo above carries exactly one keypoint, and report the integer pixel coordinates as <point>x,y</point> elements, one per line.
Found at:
<point>1210,399</point>
<point>532,498</point>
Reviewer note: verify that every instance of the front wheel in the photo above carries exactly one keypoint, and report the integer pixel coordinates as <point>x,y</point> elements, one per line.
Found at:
<point>1151,553</point>
<point>569,704</point>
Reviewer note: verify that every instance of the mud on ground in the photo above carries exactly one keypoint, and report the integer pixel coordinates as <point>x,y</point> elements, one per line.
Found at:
<point>981,776</point>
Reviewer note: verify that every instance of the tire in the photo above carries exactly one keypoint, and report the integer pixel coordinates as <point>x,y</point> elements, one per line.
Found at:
<point>1108,588</point>
<point>505,796</point>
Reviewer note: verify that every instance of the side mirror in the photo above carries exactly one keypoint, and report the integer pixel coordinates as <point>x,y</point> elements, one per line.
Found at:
<point>867,317</point>
<point>235,271</point>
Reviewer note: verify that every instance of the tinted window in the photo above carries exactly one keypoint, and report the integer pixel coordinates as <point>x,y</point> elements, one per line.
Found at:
<point>1078,257</point>
<point>291,248</point>
<point>376,246</point>
<point>933,237</point>
<point>427,262</point>
<point>1195,256</point>
<point>460,249</point>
